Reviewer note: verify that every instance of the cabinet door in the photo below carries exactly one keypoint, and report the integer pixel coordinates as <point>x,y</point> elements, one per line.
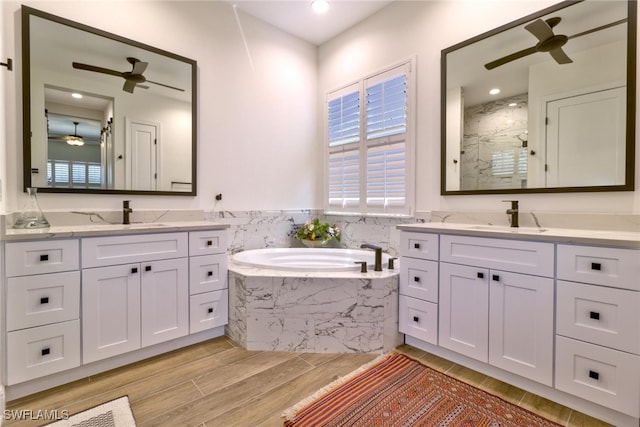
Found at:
<point>521,325</point>
<point>165,300</point>
<point>464,310</point>
<point>110,311</point>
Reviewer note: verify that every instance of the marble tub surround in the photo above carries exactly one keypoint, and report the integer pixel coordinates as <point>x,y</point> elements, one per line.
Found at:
<point>346,312</point>
<point>267,229</point>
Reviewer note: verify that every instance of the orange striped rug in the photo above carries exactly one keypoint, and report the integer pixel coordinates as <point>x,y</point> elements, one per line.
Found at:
<point>400,391</point>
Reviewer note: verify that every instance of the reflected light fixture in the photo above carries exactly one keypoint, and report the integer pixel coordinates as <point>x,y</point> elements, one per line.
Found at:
<point>494,91</point>
<point>74,139</point>
<point>76,95</point>
<point>320,6</point>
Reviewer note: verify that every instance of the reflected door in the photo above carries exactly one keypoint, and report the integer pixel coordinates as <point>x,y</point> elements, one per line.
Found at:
<point>143,157</point>
<point>586,139</point>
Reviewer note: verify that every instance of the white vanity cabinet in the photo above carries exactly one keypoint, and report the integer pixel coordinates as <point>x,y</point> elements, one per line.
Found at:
<point>136,294</point>
<point>598,324</point>
<point>497,303</point>
<point>208,294</point>
<point>418,302</point>
<point>42,309</point>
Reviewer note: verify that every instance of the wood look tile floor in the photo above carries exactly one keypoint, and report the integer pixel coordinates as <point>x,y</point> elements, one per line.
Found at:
<point>216,384</point>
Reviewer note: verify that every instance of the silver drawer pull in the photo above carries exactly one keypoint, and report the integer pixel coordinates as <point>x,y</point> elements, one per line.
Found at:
<point>44,300</point>
<point>596,266</point>
<point>45,351</point>
<point>594,315</point>
<point>594,375</point>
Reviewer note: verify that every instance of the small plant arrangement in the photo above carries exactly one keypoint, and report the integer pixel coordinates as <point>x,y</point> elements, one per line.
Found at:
<point>317,231</point>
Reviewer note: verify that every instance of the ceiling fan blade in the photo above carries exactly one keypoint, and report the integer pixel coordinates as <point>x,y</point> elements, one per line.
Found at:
<point>129,85</point>
<point>600,28</point>
<point>162,84</point>
<point>504,60</point>
<point>80,66</point>
<point>139,67</point>
<point>560,56</point>
<point>540,29</point>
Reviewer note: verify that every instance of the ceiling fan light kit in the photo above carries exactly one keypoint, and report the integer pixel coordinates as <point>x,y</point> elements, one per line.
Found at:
<point>74,139</point>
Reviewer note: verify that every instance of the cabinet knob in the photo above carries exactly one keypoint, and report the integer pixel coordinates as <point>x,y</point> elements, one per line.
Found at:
<point>495,278</point>
<point>594,375</point>
<point>209,242</point>
<point>134,270</point>
<point>147,268</point>
<point>416,319</point>
<point>596,266</point>
<point>45,351</point>
<point>594,315</point>
<point>210,310</point>
<point>416,278</point>
<point>209,273</point>
<point>480,275</point>
<point>44,300</point>
<point>44,257</point>
<point>416,245</point>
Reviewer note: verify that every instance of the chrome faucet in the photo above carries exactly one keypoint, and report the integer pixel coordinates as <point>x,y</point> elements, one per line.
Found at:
<point>126,210</point>
<point>513,212</point>
<point>378,257</point>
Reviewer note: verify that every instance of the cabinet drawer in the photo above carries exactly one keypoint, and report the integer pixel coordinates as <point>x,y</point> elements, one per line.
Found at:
<point>615,267</point>
<point>509,255</point>
<point>209,310</point>
<point>604,316</point>
<point>419,279</point>
<point>207,242</point>
<point>43,299</point>
<point>602,375</point>
<point>36,352</point>
<point>105,251</point>
<point>44,256</point>
<point>418,319</point>
<point>207,273</point>
<point>419,245</point>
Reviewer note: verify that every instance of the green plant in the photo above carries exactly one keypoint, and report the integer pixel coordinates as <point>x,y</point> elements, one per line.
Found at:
<point>316,230</point>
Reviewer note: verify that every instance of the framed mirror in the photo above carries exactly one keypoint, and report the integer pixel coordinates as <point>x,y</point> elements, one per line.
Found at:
<point>104,114</point>
<point>543,104</point>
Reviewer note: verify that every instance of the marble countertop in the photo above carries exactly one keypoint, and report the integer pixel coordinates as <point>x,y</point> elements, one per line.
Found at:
<point>100,229</point>
<point>625,239</point>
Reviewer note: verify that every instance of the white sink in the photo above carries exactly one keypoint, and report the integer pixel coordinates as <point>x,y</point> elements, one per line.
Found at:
<point>145,225</point>
<point>507,229</point>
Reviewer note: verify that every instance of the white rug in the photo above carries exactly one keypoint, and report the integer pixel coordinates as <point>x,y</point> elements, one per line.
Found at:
<point>116,413</point>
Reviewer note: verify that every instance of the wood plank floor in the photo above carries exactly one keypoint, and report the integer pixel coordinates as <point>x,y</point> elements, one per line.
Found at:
<point>216,383</point>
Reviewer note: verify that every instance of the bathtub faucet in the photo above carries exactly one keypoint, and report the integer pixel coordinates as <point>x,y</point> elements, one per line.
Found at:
<point>378,249</point>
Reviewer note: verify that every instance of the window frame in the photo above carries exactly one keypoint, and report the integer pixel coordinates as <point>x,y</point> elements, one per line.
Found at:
<point>407,67</point>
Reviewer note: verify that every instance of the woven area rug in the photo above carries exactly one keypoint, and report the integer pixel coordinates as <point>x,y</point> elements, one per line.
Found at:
<point>115,413</point>
<point>395,391</point>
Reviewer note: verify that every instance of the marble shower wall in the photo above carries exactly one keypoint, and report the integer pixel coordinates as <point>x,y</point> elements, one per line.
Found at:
<point>264,229</point>
<point>494,132</point>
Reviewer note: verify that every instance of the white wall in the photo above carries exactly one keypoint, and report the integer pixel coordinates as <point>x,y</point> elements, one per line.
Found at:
<point>257,118</point>
<point>424,28</point>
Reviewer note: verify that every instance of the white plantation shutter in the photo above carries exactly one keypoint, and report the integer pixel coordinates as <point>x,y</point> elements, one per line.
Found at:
<point>77,174</point>
<point>344,179</point>
<point>367,156</point>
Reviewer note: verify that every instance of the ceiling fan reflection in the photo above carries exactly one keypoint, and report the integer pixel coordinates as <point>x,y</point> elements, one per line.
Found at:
<point>133,78</point>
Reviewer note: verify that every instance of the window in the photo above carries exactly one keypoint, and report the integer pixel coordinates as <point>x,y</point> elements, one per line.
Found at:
<point>369,142</point>
<point>73,174</point>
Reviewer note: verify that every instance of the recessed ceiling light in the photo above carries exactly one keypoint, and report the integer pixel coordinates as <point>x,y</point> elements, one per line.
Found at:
<point>494,91</point>
<point>76,95</point>
<point>513,104</point>
<point>320,6</point>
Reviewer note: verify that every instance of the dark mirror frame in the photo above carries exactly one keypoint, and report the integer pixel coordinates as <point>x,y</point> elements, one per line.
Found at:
<point>27,12</point>
<point>631,109</point>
